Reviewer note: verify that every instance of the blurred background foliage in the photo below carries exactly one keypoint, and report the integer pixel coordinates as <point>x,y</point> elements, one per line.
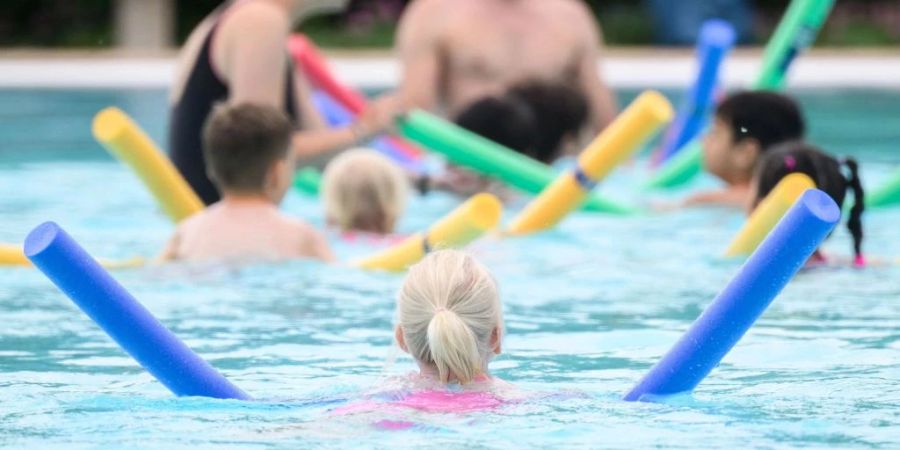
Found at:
<point>371,23</point>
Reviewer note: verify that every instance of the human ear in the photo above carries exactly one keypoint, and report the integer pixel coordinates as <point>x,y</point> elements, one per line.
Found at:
<point>747,153</point>
<point>401,341</point>
<point>496,340</point>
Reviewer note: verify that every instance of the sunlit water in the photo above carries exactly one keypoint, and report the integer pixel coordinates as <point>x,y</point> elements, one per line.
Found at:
<point>589,308</point>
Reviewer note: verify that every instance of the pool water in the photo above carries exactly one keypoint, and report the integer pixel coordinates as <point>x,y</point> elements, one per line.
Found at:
<point>589,307</point>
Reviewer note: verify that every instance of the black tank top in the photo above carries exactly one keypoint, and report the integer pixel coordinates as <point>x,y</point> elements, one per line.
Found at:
<point>202,90</point>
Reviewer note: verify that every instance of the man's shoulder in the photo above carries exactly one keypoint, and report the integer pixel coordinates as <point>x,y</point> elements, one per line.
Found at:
<point>440,10</point>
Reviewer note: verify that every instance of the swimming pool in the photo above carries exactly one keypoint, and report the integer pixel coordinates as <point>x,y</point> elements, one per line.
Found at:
<point>589,307</point>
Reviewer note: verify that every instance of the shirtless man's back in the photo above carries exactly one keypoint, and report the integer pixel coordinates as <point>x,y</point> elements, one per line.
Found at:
<point>455,52</point>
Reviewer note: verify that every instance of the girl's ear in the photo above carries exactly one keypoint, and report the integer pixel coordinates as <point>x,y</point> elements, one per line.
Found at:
<point>496,340</point>
<point>748,151</point>
<point>401,341</point>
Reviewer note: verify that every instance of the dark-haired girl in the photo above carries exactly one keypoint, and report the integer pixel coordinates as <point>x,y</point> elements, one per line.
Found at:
<point>834,177</point>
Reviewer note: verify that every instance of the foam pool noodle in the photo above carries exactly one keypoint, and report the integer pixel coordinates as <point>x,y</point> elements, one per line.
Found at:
<point>307,56</point>
<point>767,214</point>
<point>14,255</point>
<point>762,277</point>
<point>795,33</point>
<point>646,114</point>
<point>468,222</point>
<point>125,140</point>
<point>338,116</point>
<point>887,194</point>
<point>122,317</point>
<point>468,149</point>
<point>308,180</point>
<point>715,41</point>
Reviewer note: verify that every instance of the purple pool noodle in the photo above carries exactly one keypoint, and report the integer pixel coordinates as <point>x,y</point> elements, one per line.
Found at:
<point>131,325</point>
<point>784,251</point>
<point>338,116</point>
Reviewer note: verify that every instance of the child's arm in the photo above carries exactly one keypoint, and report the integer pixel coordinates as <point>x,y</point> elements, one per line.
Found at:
<point>732,197</point>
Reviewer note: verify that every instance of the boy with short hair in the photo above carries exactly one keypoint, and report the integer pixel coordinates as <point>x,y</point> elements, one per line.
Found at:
<point>745,126</point>
<point>246,148</point>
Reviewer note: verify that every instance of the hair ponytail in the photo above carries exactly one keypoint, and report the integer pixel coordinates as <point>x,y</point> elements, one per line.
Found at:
<point>450,315</point>
<point>453,348</point>
<point>854,222</point>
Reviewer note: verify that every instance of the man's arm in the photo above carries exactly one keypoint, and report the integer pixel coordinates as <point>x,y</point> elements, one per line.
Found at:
<point>600,98</point>
<point>419,52</point>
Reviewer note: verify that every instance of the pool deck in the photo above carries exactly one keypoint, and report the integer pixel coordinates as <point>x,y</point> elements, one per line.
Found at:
<point>622,68</point>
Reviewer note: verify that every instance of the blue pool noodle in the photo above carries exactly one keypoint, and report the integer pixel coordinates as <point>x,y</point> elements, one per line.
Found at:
<point>768,270</point>
<point>131,325</point>
<point>338,116</point>
<point>716,40</point>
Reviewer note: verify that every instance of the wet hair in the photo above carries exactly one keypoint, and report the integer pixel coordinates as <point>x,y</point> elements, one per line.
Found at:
<point>241,142</point>
<point>506,120</point>
<point>363,190</point>
<point>448,311</point>
<point>768,117</point>
<point>824,170</point>
<point>559,110</point>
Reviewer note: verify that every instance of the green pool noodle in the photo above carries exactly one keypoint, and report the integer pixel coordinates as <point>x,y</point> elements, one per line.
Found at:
<point>887,194</point>
<point>307,180</point>
<point>489,158</point>
<point>796,32</point>
<point>681,169</point>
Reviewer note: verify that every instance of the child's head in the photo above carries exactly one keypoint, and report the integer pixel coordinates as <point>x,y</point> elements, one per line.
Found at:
<point>746,125</point>
<point>560,112</point>
<point>506,120</point>
<point>247,150</point>
<point>823,169</point>
<point>364,191</point>
<point>450,317</point>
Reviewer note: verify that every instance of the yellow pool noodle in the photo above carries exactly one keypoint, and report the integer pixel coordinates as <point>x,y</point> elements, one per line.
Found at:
<point>14,255</point>
<point>469,221</point>
<point>767,214</point>
<point>632,127</point>
<point>128,143</point>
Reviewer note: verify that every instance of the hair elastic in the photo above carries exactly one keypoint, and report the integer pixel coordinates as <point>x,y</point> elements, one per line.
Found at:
<point>790,162</point>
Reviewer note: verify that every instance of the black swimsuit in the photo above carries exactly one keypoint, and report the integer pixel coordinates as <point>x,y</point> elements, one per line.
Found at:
<point>201,92</point>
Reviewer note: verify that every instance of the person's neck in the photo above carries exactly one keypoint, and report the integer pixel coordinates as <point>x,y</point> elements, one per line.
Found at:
<point>246,199</point>
<point>431,372</point>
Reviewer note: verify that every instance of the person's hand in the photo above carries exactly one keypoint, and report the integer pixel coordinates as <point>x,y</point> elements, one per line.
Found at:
<point>379,117</point>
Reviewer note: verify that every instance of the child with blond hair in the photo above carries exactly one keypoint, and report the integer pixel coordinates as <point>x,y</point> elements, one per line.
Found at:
<point>450,319</point>
<point>363,191</point>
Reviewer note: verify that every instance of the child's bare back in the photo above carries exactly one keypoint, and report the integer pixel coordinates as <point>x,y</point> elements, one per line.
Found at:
<point>244,231</point>
<point>247,152</point>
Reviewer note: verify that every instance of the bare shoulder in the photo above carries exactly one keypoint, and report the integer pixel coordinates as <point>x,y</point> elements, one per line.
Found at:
<point>425,8</point>
<point>295,224</point>
<point>569,8</point>
<point>301,231</point>
<point>574,13</point>
<point>194,221</point>
<point>434,12</point>
<point>260,17</point>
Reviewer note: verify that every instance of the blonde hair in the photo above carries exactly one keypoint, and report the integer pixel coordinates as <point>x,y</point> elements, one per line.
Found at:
<point>449,308</point>
<point>363,190</point>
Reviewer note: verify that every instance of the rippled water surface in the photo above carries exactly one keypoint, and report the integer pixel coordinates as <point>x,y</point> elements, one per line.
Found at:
<point>589,308</point>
